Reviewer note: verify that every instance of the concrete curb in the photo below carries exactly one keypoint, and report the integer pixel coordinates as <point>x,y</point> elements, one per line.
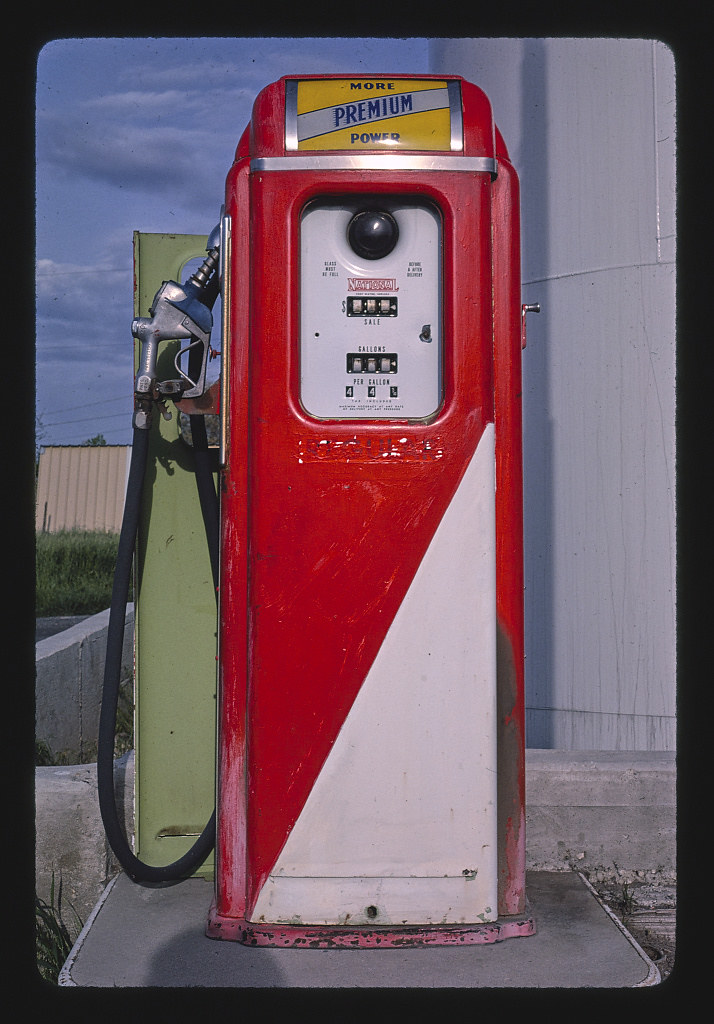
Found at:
<point>69,835</point>
<point>69,674</point>
<point>607,812</point>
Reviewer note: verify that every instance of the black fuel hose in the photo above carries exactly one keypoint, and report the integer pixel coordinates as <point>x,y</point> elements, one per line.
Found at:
<point>136,869</point>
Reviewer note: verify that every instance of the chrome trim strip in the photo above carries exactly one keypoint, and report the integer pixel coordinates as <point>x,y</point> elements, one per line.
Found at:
<point>376,162</point>
<point>457,123</point>
<point>291,91</point>
<point>224,408</point>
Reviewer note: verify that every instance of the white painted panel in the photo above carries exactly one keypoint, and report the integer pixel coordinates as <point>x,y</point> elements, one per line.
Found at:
<point>357,902</point>
<point>583,730</point>
<point>665,138</point>
<point>409,788</point>
<point>590,126</point>
<point>333,341</point>
<point>579,119</point>
<point>600,565</point>
<point>599,91</point>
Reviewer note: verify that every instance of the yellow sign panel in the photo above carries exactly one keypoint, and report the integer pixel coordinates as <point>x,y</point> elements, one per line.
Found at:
<point>354,114</point>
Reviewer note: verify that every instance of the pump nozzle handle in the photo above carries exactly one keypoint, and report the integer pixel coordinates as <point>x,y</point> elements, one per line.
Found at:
<point>176,313</point>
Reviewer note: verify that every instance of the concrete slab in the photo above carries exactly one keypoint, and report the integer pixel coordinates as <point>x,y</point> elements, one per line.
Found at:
<point>139,937</point>
<point>53,624</point>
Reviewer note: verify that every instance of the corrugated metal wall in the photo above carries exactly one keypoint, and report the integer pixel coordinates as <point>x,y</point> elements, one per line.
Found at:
<point>590,127</point>
<point>81,487</point>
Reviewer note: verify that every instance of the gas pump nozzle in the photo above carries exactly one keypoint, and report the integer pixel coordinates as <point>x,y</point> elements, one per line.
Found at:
<point>177,312</point>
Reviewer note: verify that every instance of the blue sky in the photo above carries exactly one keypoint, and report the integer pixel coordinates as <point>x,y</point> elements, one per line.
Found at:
<point>139,134</point>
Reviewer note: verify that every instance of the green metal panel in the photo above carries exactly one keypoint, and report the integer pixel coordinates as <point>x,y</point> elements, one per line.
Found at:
<point>175,610</point>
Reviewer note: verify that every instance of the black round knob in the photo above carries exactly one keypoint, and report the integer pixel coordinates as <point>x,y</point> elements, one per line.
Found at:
<point>372,234</point>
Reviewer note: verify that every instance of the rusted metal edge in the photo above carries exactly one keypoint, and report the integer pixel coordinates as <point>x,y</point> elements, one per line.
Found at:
<point>250,933</point>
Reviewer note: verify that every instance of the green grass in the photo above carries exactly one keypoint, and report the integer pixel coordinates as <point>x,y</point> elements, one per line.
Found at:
<point>74,571</point>
<point>53,940</point>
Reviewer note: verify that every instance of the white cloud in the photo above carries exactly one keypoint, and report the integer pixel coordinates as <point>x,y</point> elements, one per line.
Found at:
<point>139,134</point>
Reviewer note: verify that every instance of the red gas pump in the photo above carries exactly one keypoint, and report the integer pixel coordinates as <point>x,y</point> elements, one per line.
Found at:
<point>371,727</point>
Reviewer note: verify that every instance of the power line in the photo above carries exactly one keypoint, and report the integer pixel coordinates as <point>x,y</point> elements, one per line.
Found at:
<point>86,419</point>
<point>96,270</point>
<point>85,405</point>
<point>69,438</point>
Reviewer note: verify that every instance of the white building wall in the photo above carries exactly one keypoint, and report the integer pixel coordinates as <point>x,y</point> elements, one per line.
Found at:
<point>590,127</point>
